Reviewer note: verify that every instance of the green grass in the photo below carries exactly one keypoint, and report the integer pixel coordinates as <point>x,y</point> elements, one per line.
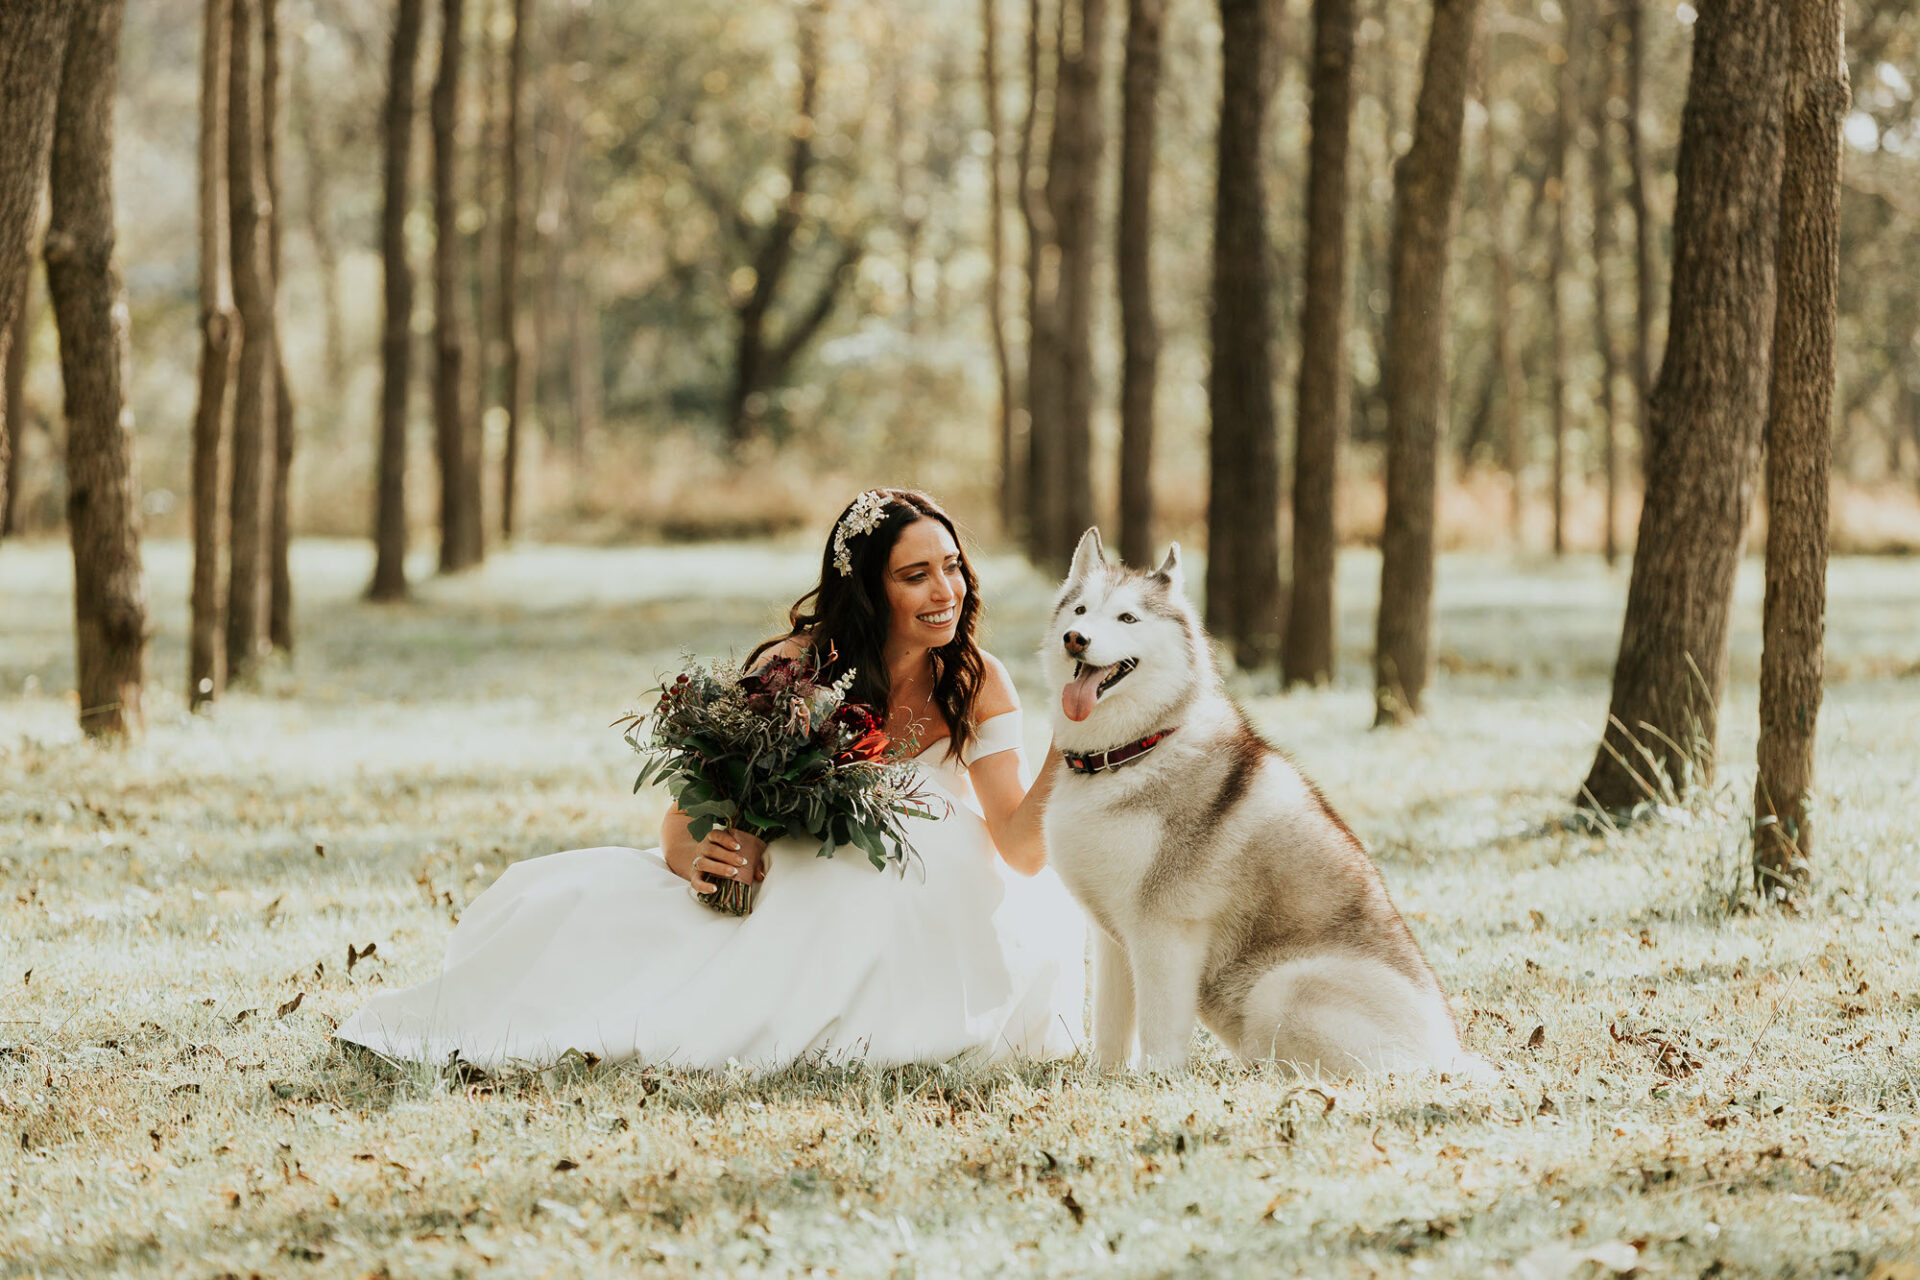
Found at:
<point>1715,1091</point>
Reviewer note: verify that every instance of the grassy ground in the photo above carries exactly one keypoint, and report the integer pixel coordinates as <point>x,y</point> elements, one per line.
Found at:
<point>1686,1087</point>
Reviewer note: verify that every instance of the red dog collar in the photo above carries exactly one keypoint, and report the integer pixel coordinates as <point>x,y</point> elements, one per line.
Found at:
<point>1100,761</point>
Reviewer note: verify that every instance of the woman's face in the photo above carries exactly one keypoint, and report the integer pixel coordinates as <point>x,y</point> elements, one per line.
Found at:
<point>924,586</point>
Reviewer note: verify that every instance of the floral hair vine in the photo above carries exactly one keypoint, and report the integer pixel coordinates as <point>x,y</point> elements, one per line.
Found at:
<point>864,516</point>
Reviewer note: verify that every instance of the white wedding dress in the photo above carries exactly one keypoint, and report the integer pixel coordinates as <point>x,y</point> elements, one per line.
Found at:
<point>604,951</point>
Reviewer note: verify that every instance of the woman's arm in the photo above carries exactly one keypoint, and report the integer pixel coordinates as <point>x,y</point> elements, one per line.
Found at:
<point>1013,810</point>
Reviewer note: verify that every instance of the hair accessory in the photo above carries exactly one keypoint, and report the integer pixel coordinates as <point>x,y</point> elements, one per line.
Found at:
<point>864,516</point>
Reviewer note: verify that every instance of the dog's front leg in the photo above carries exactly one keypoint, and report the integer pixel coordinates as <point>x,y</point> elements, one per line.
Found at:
<point>1167,966</point>
<point>1112,1002</point>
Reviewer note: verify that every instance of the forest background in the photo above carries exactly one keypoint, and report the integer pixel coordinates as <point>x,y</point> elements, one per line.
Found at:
<point>656,151</point>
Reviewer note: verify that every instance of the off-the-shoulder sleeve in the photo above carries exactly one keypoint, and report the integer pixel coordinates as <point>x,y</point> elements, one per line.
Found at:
<point>994,735</point>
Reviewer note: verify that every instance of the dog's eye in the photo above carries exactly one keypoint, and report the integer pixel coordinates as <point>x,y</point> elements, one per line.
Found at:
<point>1079,608</point>
<point>1127,617</point>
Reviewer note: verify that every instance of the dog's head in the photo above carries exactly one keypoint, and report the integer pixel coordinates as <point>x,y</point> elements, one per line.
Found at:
<point>1123,647</point>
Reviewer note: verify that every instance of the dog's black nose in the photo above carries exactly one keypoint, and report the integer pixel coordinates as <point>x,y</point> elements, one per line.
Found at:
<point>1075,642</point>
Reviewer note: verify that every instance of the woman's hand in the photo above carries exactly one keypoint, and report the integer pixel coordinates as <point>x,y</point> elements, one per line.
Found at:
<point>724,855</point>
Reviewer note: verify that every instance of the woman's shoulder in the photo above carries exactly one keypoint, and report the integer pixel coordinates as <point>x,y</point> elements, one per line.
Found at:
<point>794,646</point>
<point>997,695</point>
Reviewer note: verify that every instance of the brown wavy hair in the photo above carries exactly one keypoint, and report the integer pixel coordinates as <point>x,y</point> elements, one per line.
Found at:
<point>845,619</point>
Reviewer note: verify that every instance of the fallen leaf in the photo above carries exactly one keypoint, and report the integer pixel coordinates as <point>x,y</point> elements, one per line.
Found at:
<point>1538,1038</point>
<point>319,851</point>
<point>564,1165</point>
<point>290,1005</point>
<point>28,980</point>
<point>1273,1206</point>
<point>1073,1207</point>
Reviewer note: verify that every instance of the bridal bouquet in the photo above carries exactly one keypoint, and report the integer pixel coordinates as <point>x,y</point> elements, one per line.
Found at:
<point>776,753</point>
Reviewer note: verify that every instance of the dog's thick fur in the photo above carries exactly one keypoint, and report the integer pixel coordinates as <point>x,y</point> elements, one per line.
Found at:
<point>1222,884</point>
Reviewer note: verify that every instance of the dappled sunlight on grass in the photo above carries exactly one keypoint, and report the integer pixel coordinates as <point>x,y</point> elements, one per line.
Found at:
<point>1683,1084</point>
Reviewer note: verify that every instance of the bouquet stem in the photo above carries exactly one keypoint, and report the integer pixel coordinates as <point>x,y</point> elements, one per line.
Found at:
<point>731,898</point>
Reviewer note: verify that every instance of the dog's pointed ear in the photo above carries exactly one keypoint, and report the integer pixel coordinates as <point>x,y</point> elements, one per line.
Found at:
<point>1169,570</point>
<point>1087,557</point>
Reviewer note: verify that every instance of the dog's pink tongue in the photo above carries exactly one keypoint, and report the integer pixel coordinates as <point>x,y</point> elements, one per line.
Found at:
<point>1078,697</point>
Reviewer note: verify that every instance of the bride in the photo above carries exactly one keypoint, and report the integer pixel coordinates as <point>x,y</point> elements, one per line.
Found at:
<point>602,951</point>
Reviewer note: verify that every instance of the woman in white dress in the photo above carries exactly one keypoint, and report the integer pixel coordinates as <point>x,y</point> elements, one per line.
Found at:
<point>603,951</point>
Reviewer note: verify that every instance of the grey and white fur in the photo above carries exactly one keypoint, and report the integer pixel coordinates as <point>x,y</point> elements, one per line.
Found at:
<point>1221,883</point>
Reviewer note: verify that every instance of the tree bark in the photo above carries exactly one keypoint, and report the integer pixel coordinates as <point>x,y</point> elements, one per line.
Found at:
<point>103,508</point>
<point>279,527</point>
<point>32,36</point>
<point>513,391</point>
<point>1423,198</point>
<point>396,344</point>
<point>1073,179</point>
<point>219,322</point>
<point>1320,411</point>
<point>1565,87</point>
<point>1243,539</point>
<point>1043,301</point>
<point>1140,331</point>
<point>460,541</point>
<point>253,398</point>
<point>1799,445</point>
<point>1009,487</point>
<point>1708,410</point>
<point>1600,191</point>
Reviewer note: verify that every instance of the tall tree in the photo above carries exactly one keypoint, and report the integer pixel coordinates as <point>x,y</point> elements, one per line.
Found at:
<point>1243,539</point>
<point>1600,192</point>
<point>207,629</point>
<point>253,398</point>
<point>13,415</point>
<point>1644,289</point>
<point>760,360</point>
<point>1799,444</point>
<point>1508,371</point>
<point>1043,294</point>
<point>1559,142</point>
<point>1073,180</point>
<point>1708,410</point>
<point>1424,182</point>
<point>1320,408</point>
<point>513,389</point>
<point>279,523</point>
<point>32,35</point>
<point>1009,488</point>
<point>396,343</point>
<point>317,187</point>
<point>460,533</point>
<point>103,507</point>
<point>1140,331</point>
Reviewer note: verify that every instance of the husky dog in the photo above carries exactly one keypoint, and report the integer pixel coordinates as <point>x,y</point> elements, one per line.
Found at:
<point>1222,884</point>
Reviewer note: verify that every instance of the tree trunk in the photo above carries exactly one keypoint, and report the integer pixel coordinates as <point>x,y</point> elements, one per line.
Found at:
<point>279,527</point>
<point>1799,444</point>
<point>1600,184</point>
<point>1708,411</point>
<point>1140,332</point>
<point>1645,288</point>
<point>13,411</point>
<point>1043,305</point>
<point>396,344</point>
<point>319,218</point>
<point>32,36</point>
<point>1320,410</point>
<point>1423,189</point>
<point>253,399</point>
<point>207,628</point>
<point>1565,87</point>
<point>103,506</point>
<point>1009,487</point>
<point>459,545</point>
<point>1510,373</point>
<point>1243,540</point>
<point>513,392</point>
<point>1073,180</point>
